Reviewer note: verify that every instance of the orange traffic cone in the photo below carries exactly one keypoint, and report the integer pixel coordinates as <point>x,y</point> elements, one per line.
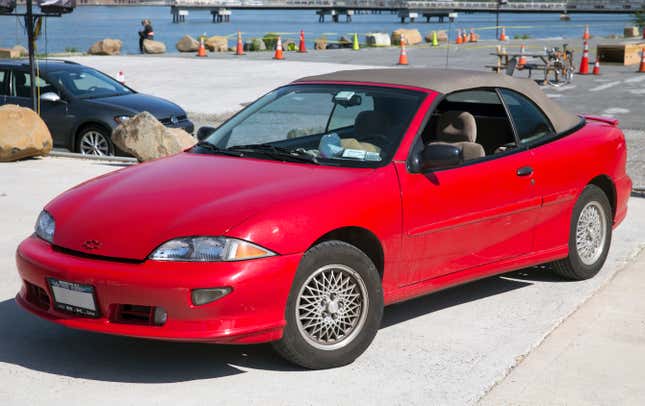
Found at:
<point>302,48</point>
<point>473,36</point>
<point>502,36</point>
<point>585,35</point>
<point>459,39</point>
<point>278,50</point>
<point>464,36</point>
<point>403,57</point>
<point>239,50</point>
<point>584,63</point>
<point>201,51</point>
<point>642,67</point>
<point>596,67</point>
<point>522,61</point>
<point>120,77</point>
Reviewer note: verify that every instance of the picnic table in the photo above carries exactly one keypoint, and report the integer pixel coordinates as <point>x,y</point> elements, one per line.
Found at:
<point>509,63</point>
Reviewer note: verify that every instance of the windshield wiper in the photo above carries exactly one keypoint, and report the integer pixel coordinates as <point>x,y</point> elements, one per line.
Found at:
<point>276,152</point>
<point>212,148</point>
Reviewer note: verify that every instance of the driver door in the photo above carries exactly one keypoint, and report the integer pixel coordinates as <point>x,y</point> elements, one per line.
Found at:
<point>54,114</point>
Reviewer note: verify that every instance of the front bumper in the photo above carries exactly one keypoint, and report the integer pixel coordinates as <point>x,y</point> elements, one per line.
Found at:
<point>252,313</point>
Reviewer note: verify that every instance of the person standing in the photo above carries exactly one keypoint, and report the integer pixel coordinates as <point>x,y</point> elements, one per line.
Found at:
<point>146,33</point>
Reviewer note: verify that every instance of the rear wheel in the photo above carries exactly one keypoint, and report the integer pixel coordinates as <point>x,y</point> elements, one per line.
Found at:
<point>334,309</point>
<point>94,140</point>
<point>589,237</point>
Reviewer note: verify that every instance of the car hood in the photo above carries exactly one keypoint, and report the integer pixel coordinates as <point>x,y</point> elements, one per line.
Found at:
<point>138,102</point>
<point>132,211</point>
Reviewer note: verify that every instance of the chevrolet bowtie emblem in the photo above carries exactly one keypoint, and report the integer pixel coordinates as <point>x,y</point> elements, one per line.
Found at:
<point>92,244</point>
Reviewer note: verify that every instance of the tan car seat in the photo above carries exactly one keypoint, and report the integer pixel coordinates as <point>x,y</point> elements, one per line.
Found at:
<point>459,128</point>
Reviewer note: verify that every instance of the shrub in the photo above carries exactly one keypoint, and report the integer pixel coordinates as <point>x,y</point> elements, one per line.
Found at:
<point>270,40</point>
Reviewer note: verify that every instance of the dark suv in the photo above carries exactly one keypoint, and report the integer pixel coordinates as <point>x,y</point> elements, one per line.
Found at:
<point>81,105</point>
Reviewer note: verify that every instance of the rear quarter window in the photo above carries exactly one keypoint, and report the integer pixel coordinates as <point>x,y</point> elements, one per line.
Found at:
<point>531,124</point>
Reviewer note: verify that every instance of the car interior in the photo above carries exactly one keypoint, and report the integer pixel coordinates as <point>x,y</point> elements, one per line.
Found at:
<point>474,121</point>
<point>378,124</point>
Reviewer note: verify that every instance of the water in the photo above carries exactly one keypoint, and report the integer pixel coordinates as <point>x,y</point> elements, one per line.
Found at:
<point>86,25</point>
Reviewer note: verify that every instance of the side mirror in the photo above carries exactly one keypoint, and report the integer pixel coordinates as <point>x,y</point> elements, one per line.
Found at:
<point>204,132</point>
<point>50,97</point>
<point>436,156</point>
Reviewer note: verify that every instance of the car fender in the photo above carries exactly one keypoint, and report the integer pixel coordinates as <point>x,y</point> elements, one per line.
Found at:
<point>372,203</point>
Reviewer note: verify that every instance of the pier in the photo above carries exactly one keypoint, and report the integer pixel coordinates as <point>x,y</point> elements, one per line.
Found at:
<point>222,9</point>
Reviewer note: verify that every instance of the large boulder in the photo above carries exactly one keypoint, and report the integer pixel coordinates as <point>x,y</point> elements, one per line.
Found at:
<point>412,36</point>
<point>106,46</point>
<point>217,44</point>
<point>22,134</point>
<point>153,47</point>
<point>442,36</point>
<point>22,51</point>
<point>146,138</point>
<point>631,32</point>
<point>320,43</point>
<point>9,53</point>
<point>378,39</point>
<point>255,44</point>
<point>187,44</point>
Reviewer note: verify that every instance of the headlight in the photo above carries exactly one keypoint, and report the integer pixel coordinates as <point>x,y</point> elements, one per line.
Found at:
<point>121,119</point>
<point>208,249</point>
<point>45,226</point>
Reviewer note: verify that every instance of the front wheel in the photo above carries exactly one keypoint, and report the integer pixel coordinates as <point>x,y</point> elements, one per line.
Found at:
<point>334,309</point>
<point>589,237</point>
<point>94,140</point>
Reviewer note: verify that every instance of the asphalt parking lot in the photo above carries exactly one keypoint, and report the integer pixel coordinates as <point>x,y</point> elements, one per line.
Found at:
<point>447,348</point>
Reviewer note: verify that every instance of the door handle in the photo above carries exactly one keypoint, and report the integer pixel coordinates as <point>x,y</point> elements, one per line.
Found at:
<point>525,171</point>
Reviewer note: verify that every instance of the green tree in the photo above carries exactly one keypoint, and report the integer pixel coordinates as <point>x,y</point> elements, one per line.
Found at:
<point>639,19</point>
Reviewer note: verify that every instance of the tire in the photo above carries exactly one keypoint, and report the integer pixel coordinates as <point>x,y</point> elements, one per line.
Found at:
<point>94,140</point>
<point>327,331</point>
<point>587,251</point>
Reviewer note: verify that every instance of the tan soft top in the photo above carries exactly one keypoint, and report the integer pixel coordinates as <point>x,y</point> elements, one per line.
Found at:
<point>447,81</point>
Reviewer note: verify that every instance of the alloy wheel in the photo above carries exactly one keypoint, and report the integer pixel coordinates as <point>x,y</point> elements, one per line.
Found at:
<point>591,233</point>
<point>332,307</point>
<point>94,143</point>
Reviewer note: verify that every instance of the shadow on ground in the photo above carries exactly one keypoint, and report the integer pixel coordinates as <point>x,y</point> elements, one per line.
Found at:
<point>32,343</point>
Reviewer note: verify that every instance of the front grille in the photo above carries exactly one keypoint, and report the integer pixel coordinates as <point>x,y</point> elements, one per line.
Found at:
<point>37,296</point>
<point>168,120</point>
<point>134,314</point>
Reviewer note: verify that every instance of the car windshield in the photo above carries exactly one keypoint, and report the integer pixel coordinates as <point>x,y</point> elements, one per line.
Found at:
<point>341,125</point>
<point>87,83</point>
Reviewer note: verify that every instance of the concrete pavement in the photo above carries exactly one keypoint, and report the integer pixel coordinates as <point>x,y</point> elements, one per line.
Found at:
<point>447,348</point>
<point>595,358</point>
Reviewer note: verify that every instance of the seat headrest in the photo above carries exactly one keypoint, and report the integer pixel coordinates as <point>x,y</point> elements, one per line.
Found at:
<point>369,123</point>
<point>457,126</point>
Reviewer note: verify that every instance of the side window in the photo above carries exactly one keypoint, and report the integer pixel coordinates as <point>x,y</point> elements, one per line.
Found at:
<point>530,122</point>
<point>21,86</point>
<point>345,116</point>
<point>4,82</point>
<point>476,116</point>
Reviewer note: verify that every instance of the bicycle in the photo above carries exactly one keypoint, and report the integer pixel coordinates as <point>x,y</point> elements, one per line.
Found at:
<point>559,67</point>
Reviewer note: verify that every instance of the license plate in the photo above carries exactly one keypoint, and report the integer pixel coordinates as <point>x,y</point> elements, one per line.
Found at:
<point>73,297</point>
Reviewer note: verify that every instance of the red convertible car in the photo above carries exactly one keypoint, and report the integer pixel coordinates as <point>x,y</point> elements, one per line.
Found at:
<point>300,218</point>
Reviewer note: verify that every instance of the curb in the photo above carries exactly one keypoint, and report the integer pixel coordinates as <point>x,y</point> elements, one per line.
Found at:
<point>638,192</point>
<point>121,159</point>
